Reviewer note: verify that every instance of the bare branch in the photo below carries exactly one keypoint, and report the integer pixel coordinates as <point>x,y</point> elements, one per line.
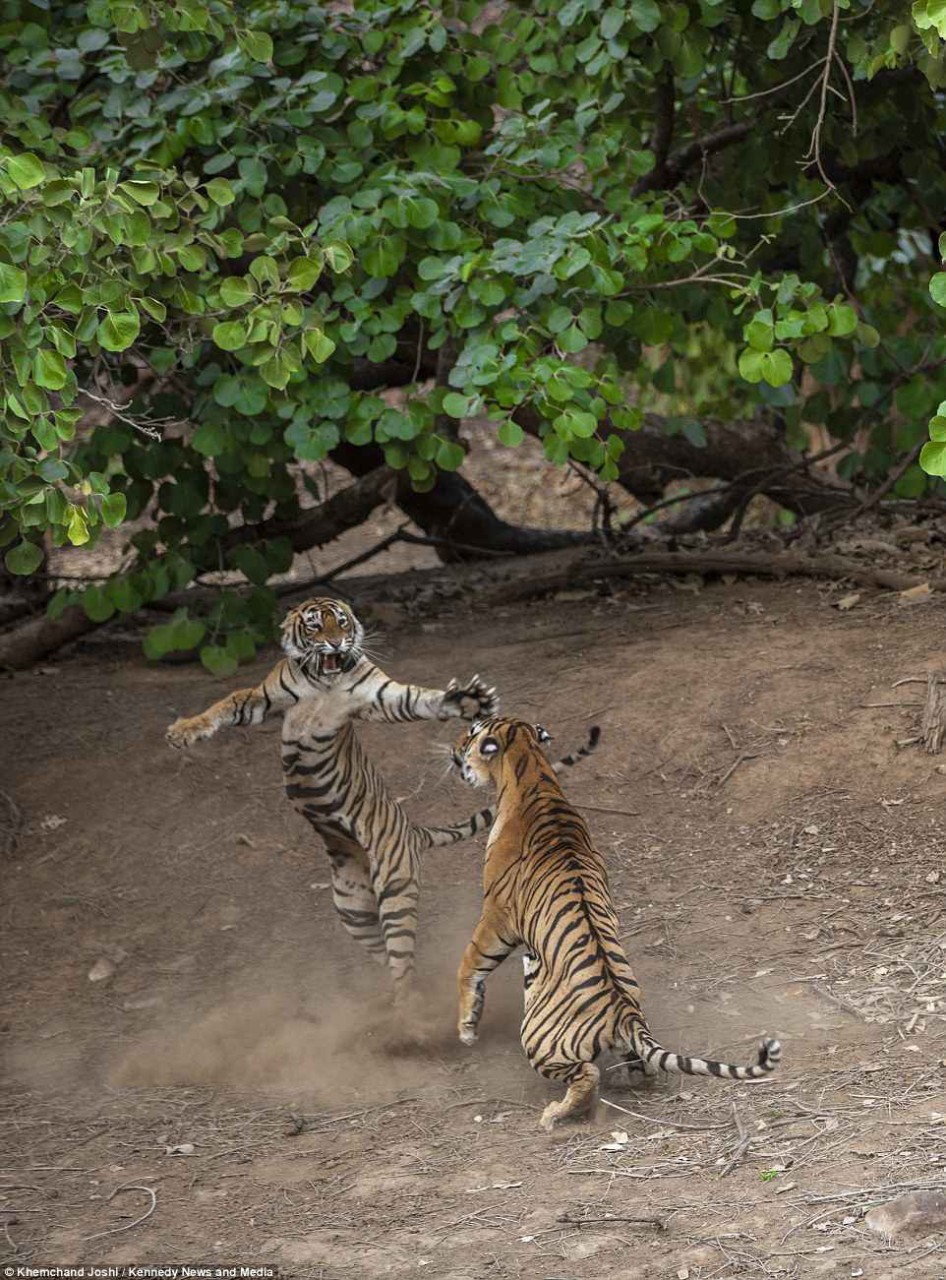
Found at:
<point>814,148</point>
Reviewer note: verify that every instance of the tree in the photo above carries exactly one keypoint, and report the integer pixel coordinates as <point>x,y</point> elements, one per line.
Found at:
<point>228,227</point>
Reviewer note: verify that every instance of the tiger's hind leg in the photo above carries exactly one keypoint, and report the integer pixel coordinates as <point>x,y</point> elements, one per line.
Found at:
<point>396,892</point>
<point>581,1099</point>
<point>353,896</point>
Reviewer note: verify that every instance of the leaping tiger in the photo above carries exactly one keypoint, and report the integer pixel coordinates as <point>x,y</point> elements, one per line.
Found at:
<point>546,889</point>
<point>323,684</point>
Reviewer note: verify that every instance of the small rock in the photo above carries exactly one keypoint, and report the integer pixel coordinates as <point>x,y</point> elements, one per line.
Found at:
<point>52,822</point>
<point>915,1213</point>
<point>102,970</point>
<point>180,1149</point>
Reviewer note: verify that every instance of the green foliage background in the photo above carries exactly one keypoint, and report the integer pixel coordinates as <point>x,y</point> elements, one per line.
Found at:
<point>255,212</point>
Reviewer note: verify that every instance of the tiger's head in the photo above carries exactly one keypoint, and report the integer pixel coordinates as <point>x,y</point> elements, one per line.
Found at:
<point>479,751</point>
<point>323,635</point>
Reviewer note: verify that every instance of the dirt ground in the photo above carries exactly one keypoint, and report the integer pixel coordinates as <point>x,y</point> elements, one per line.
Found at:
<point>779,867</point>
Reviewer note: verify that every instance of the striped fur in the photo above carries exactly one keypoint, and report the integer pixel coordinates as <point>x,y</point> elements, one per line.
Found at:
<point>323,684</point>
<point>546,889</point>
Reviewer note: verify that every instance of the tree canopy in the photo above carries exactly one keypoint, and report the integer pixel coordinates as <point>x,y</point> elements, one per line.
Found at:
<point>227,227</point>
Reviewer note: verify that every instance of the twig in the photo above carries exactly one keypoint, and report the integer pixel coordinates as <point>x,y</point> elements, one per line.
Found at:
<point>814,148</point>
<point>888,484</point>
<point>741,1147</point>
<point>673,1124</point>
<point>740,759</point>
<point>597,808</point>
<point>301,1125</point>
<point>569,1221</point>
<point>376,550</point>
<point>129,1186</point>
<point>850,91</point>
<point>10,830</point>
<point>764,93</point>
<point>147,426</point>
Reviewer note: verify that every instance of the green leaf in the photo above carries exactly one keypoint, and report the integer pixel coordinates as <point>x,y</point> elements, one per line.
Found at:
<point>303,274</point>
<point>97,604</point>
<point>842,320</point>
<point>276,372</point>
<point>338,256</point>
<point>77,529</point>
<point>209,439</point>
<point>450,456</point>
<point>319,345</point>
<point>118,330</point>
<point>236,291</point>
<point>576,422</point>
<point>231,335</point>
<point>645,14</point>
<point>938,288</point>
<point>777,367</point>
<point>217,660</point>
<point>144,193</point>
<point>456,405</point>
<point>933,459</point>
<point>252,564</point>
<point>24,558</point>
<point>49,369</point>
<point>760,332</point>
<point>26,170</point>
<point>510,434</point>
<point>257,45</point>
<point>114,507</point>
<point>265,271</point>
<point>155,309</point>
<point>180,634</point>
<point>220,191</point>
<point>12,283</point>
<point>750,365</point>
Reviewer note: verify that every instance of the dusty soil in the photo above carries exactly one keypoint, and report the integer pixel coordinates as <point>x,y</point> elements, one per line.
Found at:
<point>776,863</point>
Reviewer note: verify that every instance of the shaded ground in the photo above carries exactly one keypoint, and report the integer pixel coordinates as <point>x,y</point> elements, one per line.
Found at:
<point>776,863</point>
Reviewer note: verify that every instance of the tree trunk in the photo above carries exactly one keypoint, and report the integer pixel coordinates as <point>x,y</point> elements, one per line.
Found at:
<point>454,512</point>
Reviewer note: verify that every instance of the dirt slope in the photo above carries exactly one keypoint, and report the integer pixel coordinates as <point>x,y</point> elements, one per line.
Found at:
<point>776,862</point>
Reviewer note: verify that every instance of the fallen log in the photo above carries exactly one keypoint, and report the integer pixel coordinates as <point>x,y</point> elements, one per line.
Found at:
<point>741,563</point>
<point>30,641</point>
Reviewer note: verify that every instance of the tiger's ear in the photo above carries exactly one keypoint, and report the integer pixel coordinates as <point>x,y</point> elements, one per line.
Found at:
<point>543,735</point>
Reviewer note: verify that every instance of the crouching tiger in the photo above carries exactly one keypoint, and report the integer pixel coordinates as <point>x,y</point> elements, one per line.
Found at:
<point>325,682</point>
<point>546,889</point>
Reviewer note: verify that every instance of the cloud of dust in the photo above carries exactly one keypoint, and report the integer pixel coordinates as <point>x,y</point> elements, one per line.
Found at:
<point>324,1032</point>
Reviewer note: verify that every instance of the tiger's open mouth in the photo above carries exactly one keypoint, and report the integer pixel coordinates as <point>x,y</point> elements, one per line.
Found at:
<point>330,663</point>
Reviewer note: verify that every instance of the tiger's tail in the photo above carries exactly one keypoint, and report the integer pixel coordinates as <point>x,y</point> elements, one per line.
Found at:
<point>573,757</point>
<point>484,819</point>
<point>654,1057</point>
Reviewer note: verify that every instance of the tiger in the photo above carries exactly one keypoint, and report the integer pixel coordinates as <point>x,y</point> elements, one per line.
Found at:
<point>323,684</point>
<point>546,889</point>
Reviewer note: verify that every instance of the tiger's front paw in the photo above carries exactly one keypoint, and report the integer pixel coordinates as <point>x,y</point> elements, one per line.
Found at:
<point>467,1033</point>
<point>474,700</point>
<point>185,732</point>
